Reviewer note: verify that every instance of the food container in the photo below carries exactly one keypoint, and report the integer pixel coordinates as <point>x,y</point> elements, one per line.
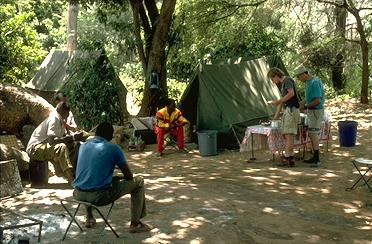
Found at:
<point>303,119</point>
<point>275,123</point>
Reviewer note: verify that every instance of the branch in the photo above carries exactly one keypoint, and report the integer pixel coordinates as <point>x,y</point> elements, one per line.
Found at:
<point>353,41</point>
<point>137,32</point>
<point>144,19</point>
<point>360,9</point>
<point>148,31</point>
<point>237,7</point>
<point>256,4</point>
<point>344,5</point>
<point>152,11</point>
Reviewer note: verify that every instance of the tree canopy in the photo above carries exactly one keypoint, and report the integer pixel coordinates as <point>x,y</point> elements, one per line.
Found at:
<point>171,37</point>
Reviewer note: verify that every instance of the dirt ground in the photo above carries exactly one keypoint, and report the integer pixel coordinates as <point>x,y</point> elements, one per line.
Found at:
<point>225,199</point>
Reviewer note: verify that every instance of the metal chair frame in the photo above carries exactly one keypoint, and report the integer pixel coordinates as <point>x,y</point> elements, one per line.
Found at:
<point>361,162</point>
<point>73,216</point>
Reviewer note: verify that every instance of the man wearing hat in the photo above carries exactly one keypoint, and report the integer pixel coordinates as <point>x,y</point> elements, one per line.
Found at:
<point>314,103</point>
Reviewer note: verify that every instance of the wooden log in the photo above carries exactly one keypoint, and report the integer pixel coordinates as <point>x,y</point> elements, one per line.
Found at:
<point>10,180</point>
<point>19,106</point>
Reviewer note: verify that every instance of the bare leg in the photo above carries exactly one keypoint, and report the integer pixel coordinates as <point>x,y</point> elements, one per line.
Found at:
<point>314,140</point>
<point>90,221</point>
<point>289,145</point>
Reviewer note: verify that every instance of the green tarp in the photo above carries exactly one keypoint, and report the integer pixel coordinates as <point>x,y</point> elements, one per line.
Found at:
<point>231,95</point>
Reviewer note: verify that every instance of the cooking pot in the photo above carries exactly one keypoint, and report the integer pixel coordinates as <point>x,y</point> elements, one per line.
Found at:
<point>275,123</point>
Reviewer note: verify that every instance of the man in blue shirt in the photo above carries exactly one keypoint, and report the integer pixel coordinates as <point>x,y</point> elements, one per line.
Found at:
<point>94,180</point>
<point>314,103</point>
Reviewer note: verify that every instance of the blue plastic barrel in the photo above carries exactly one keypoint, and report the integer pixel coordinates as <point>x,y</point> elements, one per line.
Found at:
<point>347,132</point>
<point>207,141</point>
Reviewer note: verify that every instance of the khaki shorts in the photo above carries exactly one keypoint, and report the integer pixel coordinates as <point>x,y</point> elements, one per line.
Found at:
<point>314,120</point>
<point>290,120</point>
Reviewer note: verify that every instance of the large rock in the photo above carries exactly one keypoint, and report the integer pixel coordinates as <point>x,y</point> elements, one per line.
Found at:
<point>9,153</point>
<point>19,107</point>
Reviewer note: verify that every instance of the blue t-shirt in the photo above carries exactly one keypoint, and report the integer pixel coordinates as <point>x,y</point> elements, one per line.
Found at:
<point>315,89</point>
<point>96,163</point>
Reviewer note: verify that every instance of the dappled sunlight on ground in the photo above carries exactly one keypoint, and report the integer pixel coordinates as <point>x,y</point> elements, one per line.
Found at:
<point>225,199</point>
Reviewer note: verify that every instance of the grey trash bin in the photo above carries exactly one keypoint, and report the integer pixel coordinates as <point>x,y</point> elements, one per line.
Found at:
<point>207,141</point>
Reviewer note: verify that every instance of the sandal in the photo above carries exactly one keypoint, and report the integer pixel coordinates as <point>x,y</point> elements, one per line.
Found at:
<point>89,223</point>
<point>140,227</point>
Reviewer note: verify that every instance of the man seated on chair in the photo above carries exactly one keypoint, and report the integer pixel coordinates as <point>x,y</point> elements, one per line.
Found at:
<point>95,183</point>
<point>49,142</point>
<point>169,120</point>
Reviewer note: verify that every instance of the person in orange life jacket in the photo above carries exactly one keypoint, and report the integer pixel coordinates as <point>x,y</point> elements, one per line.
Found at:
<point>169,120</point>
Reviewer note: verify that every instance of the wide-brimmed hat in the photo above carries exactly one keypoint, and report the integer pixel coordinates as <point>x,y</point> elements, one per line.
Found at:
<point>300,70</point>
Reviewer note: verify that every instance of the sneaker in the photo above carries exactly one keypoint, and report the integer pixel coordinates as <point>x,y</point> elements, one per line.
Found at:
<point>315,164</point>
<point>159,154</point>
<point>284,162</point>
<point>310,160</point>
<point>288,161</point>
<point>183,151</point>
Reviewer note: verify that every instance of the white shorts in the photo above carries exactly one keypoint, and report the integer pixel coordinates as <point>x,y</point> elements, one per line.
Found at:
<point>290,120</point>
<point>314,120</point>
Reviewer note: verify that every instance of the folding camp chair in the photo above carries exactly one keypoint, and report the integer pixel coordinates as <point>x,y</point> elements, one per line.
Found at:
<point>362,162</point>
<point>73,216</point>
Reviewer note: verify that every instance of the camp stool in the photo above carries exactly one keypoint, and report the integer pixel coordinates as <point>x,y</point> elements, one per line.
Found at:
<point>170,141</point>
<point>73,216</point>
<point>362,162</point>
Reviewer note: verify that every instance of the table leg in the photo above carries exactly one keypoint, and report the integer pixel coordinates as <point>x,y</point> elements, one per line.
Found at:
<point>252,158</point>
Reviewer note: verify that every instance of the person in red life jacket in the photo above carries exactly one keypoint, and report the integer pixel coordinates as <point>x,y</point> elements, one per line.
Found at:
<point>169,120</point>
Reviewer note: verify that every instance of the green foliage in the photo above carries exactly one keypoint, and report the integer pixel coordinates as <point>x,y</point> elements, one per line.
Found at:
<point>20,52</point>
<point>176,89</point>
<point>221,30</point>
<point>131,75</point>
<point>93,90</point>
<point>50,22</point>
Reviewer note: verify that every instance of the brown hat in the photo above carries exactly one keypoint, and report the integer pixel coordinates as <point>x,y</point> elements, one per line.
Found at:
<point>300,70</point>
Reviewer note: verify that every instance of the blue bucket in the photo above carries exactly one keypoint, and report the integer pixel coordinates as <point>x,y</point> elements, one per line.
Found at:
<point>347,132</point>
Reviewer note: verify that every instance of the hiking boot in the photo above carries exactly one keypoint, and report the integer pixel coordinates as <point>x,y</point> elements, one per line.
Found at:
<point>288,161</point>
<point>284,162</point>
<point>291,161</point>
<point>159,154</point>
<point>316,164</point>
<point>310,160</point>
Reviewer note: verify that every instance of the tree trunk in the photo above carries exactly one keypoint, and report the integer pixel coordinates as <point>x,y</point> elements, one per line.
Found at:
<point>73,11</point>
<point>153,57</point>
<point>364,49</point>
<point>365,74</point>
<point>10,180</point>
<point>337,68</point>
<point>350,6</point>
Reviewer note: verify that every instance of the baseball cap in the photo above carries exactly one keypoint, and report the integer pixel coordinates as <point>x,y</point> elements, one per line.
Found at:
<point>300,70</point>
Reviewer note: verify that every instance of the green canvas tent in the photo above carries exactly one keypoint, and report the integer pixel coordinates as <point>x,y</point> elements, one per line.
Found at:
<point>53,74</point>
<point>230,95</point>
